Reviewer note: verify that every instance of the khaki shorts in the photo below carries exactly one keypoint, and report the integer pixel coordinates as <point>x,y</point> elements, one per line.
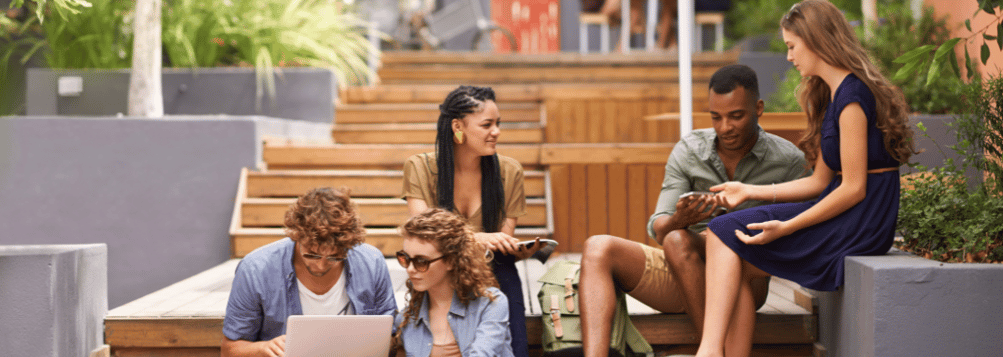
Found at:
<point>657,287</point>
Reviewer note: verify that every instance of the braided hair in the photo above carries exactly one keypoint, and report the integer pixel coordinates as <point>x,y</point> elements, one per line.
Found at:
<point>457,105</point>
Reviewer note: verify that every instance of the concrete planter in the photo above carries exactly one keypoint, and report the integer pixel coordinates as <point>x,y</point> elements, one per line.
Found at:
<point>903,305</point>
<point>301,93</point>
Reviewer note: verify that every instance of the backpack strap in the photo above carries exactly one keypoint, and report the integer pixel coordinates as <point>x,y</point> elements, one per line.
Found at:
<point>555,316</point>
<point>636,342</point>
<point>569,290</point>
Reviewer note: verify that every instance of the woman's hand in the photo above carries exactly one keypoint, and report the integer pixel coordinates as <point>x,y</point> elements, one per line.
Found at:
<point>498,242</point>
<point>771,230</point>
<point>731,194</point>
<point>525,252</point>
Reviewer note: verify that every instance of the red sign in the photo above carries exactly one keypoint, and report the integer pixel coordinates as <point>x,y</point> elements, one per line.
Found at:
<point>534,23</point>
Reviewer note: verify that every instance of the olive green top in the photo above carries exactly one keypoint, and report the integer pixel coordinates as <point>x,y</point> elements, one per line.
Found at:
<point>421,177</point>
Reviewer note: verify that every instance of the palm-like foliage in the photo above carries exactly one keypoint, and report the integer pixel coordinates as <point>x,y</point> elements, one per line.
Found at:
<point>199,33</point>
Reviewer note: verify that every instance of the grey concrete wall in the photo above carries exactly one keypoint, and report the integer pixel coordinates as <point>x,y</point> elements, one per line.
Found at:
<point>301,93</point>
<point>53,299</point>
<point>902,305</point>
<point>770,69</point>
<point>159,193</point>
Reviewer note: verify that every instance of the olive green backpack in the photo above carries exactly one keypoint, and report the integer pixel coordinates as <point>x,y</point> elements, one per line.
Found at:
<point>562,330</point>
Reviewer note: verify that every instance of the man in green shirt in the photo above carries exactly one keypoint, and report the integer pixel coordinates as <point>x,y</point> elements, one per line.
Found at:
<point>672,279</point>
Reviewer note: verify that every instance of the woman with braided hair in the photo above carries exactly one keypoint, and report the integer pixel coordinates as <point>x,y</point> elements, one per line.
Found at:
<point>454,308</point>
<point>466,176</point>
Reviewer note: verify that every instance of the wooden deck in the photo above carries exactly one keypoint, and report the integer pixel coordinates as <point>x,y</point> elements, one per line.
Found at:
<point>186,318</point>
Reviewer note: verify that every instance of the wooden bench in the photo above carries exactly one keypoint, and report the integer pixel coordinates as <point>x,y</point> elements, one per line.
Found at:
<point>186,319</point>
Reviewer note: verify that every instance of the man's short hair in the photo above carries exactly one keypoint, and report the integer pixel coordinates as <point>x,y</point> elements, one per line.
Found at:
<point>325,217</point>
<point>725,79</point>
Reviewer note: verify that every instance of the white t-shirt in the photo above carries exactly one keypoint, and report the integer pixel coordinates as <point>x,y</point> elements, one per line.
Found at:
<point>333,302</point>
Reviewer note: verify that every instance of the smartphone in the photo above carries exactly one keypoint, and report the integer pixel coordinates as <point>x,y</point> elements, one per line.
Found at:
<point>696,194</point>
<point>544,253</point>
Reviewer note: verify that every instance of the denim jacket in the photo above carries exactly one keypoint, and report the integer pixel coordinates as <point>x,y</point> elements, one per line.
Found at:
<point>265,293</point>
<point>480,327</point>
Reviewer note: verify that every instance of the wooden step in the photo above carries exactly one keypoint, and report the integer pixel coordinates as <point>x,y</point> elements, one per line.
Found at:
<point>456,74</point>
<point>385,156</point>
<point>560,59</point>
<point>362,183</point>
<point>387,240</point>
<point>425,113</point>
<point>433,93</point>
<point>512,133</point>
<point>385,212</point>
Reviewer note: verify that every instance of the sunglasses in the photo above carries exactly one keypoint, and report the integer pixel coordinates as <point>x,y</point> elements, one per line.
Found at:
<point>420,264</point>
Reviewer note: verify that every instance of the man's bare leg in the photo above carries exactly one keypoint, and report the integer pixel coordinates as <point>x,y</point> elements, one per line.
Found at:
<point>608,263</point>
<point>685,253</point>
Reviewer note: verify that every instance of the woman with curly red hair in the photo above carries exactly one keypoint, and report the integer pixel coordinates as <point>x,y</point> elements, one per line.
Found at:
<point>454,308</point>
<point>858,137</point>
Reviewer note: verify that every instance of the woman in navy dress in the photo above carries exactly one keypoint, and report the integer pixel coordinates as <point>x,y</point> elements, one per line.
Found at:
<point>857,137</point>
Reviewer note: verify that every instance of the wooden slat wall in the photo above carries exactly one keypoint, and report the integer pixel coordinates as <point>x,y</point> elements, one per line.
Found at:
<point>601,198</point>
<point>614,114</point>
<point>608,121</point>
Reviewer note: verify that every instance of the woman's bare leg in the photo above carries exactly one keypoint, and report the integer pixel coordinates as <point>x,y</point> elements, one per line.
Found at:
<point>724,276</point>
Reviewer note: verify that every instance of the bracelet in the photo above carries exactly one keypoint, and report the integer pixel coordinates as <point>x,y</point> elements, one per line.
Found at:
<point>774,192</point>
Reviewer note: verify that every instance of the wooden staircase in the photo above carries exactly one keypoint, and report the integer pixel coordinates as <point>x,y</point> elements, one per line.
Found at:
<point>376,128</point>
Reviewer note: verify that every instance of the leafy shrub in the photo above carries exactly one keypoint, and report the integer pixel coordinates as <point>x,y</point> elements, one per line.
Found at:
<point>198,33</point>
<point>940,216</point>
<point>750,18</point>
<point>897,33</point>
<point>785,98</point>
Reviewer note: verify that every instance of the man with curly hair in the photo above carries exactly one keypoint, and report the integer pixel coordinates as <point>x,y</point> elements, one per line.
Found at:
<point>322,268</point>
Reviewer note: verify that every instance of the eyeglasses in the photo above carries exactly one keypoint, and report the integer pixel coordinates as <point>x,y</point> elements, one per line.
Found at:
<point>330,258</point>
<point>420,264</point>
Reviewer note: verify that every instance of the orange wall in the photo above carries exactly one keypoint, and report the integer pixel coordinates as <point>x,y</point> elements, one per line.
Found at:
<point>960,10</point>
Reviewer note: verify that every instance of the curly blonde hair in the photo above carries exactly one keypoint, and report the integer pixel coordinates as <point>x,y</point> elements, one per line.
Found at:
<point>827,33</point>
<point>471,275</point>
<point>325,217</point>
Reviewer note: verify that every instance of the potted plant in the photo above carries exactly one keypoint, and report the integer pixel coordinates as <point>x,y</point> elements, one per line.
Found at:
<point>281,40</point>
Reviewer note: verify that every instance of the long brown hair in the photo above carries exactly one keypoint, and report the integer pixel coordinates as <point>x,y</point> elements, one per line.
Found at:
<point>827,33</point>
<point>471,275</point>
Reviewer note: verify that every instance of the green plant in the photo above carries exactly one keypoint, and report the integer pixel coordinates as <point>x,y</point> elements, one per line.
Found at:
<point>940,215</point>
<point>749,18</point>
<point>920,58</point>
<point>897,33</point>
<point>785,98</point>
<point>266,33</point>
<point>200,33</point>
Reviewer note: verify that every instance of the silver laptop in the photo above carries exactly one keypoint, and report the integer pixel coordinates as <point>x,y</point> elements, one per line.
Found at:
<point>338,335</point>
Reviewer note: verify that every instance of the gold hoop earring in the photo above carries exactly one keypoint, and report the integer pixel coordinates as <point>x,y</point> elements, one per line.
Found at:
<point>458,137</point>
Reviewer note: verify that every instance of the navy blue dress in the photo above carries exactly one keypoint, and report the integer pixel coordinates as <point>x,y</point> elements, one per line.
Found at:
<point>813,256</point>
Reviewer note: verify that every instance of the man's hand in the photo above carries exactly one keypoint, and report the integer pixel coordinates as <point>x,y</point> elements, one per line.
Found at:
<point>693,209</point>
<point>731,194</point>
<point>275,347</point>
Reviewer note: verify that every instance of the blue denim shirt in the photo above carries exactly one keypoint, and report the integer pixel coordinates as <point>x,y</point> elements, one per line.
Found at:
<point>265,293</point>
<point>480,327</point>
